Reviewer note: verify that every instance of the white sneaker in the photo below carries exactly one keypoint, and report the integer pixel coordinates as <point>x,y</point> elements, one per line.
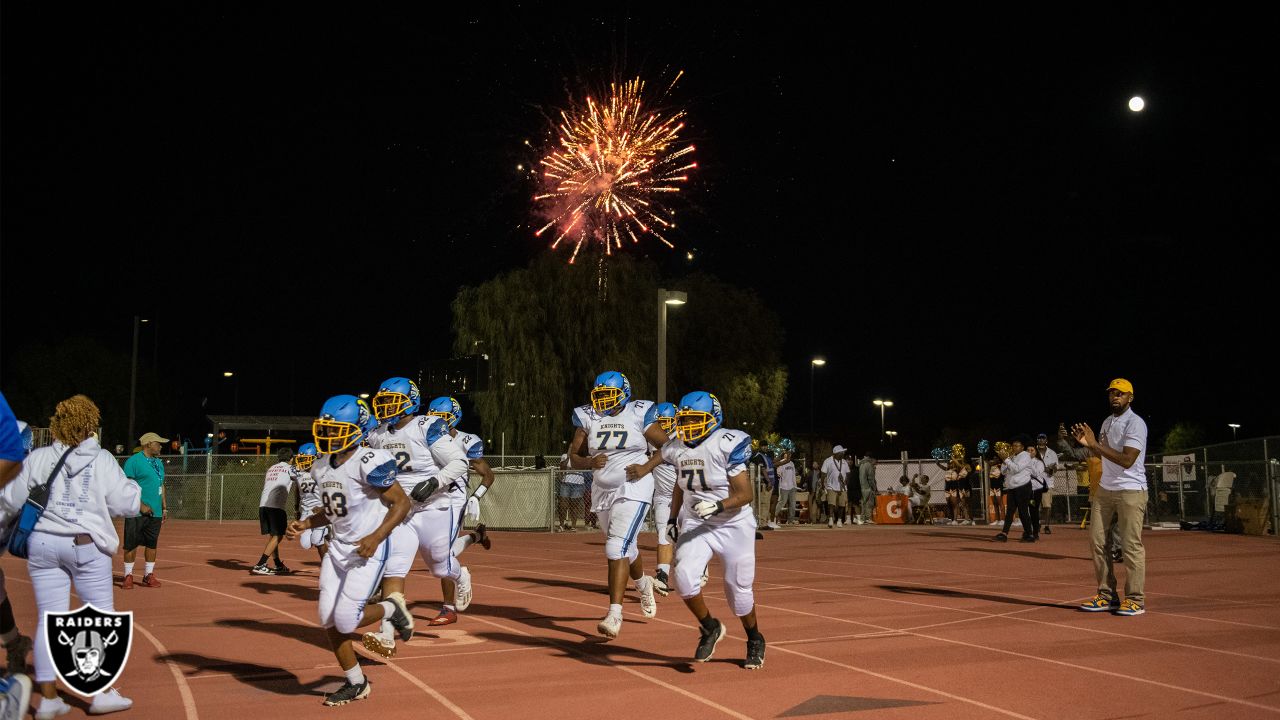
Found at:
<point>648,605</point>
<point>16,697</point>
<point>50,709</point>
<point>839,523</point>
<point>462,597</point>
<point>830,523</point>
<point>108,702</point>
<point>610,626</point>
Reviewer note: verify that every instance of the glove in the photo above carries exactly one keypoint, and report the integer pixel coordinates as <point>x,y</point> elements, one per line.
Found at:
<point>673,531</point>
<point>473,508</point>
<point>706,508</point>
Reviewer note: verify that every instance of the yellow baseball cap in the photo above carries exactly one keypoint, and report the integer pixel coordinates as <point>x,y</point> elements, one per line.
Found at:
<point>1122,385</point>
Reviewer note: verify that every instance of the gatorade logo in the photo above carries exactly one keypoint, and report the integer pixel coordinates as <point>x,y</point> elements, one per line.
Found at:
<point>893,509</point>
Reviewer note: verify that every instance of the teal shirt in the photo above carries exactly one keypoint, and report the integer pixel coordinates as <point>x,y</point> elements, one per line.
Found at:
<point>149,474</point>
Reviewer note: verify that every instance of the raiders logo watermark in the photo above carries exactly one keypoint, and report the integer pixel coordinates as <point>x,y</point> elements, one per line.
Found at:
<point>89,647</point>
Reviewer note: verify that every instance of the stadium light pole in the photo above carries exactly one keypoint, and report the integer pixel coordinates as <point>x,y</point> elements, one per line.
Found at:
<point>235,389</point>
<point>133,376</point>
<point>665,298</point>
<point>814,363</point>
<point>1234,427</point>
<point>883,404</point>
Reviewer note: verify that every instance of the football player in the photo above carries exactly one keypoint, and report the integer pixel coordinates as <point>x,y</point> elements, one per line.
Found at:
<point>448,409</point>
<point>713,498</point>
<point>308,498</point>
<point>362,504</point>
<point>611,438</point>
<point>664,481</point>
<point>433,470</point>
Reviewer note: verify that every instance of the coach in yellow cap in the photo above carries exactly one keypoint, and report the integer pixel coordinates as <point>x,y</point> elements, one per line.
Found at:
<point>147,469</point>
<point>1120,501</point>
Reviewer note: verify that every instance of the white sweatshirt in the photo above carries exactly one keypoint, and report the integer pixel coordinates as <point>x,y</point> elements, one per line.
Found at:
<point>1017,470</point>
<point>88,491</point>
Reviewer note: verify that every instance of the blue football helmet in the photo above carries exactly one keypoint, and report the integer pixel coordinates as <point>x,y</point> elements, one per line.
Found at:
<point>397,396</point>
<point>666,414</point>
<point>306,456</point>
<point>28,437</point>
<point>446,408</point>
<point>612,392</point>
<point>699,415</point>
<point>344,422</point>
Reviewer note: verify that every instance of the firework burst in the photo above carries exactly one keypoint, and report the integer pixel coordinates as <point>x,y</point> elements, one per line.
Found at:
<point>615,164</point>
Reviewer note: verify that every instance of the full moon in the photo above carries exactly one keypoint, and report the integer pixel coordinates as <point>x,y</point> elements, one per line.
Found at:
<point>1136,103</point>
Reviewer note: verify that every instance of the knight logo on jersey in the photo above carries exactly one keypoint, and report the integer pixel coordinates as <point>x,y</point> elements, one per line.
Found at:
<point>89,647</point>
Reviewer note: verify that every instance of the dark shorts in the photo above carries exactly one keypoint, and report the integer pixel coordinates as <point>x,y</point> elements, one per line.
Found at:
<point>272,520</point>
<point>142,530</point>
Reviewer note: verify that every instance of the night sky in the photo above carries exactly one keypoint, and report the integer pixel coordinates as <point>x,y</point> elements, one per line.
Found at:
<point>961,215</point>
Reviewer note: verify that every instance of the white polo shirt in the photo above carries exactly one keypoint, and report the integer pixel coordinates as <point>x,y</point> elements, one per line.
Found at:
<point>1126,430</point>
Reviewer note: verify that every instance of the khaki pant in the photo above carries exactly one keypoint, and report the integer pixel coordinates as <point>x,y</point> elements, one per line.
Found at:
<point>835,499</point>
<point>1122,511</point>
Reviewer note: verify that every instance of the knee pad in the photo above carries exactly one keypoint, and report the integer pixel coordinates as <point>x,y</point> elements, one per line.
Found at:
<point>613,549</point>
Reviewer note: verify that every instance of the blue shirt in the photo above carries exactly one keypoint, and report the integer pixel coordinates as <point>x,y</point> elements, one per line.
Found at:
<point>10,440</point>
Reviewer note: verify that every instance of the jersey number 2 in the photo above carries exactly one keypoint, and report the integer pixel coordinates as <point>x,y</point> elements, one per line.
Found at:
<point>702,478</point>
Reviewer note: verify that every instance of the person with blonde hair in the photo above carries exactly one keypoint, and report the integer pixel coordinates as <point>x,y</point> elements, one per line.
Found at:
<point>74,539</point>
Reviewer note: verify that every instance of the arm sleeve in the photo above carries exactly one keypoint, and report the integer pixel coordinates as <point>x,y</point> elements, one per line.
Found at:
<point>476,450</point>
<point>739,456</point>
<point>448,456</point>
<point>382,475</point>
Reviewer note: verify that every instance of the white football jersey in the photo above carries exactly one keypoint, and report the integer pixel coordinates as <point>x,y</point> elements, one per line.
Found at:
<point>620,437</point>
<point>275,487</point>
<point>308,497</point>
<point>421,448</point>
<point>664,476</point>
<point>703,471</point>
<point>351,493</point>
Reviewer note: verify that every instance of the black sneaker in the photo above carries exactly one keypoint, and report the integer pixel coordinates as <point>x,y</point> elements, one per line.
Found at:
<point>262,570</point>
<point>755,654</point>
<point>482,536</point>
<point>424,489</point>
<point>347,693</point>
<point>1048,530</point>
<point>707,645</point>
<point>1028,538</point>
<point>661,583</point>
<point>282,569</point>
<point>400,617</point>
<point>1000,537</point>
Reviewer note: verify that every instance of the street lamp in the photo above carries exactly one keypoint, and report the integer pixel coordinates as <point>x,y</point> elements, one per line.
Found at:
<point>665,298</point>
<point>814,363</point>
<point>892,435</point>
<point>1234,427</point>
<point>883,404</point>
<point>235,401</point>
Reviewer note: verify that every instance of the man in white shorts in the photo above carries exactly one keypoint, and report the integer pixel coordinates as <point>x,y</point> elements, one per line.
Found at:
<point>611,438</point>
<point>432,469</point>
<point>362,503</point>
<point>713,494</point>
<point>308,498</point>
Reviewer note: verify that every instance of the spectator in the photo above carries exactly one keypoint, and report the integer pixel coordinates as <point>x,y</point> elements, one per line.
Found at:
<point>272,518</point>
<point>569,494</point>
<point>817,494</point>
<point>1050,460</point>
<point>1120,502</point>
<point>867,479</point>
<point>786,486</point>
<point>147,470</point>
<point>74,539</point>
<point>1017,465</point>
<point>918,492</point>
<point>835,472</point>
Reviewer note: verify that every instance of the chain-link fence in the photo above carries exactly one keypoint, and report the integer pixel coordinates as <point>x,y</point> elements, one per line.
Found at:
<point>1233,485</point>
